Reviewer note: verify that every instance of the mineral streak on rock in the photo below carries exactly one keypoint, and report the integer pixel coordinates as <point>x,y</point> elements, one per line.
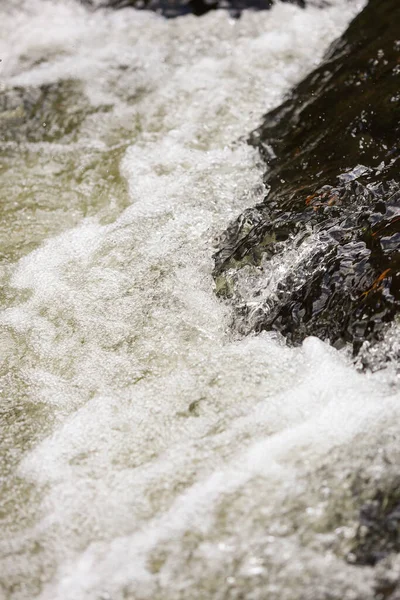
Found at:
<point>332,152</point>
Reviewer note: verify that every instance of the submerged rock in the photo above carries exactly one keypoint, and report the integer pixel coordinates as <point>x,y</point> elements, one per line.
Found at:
<point>45,113</point>
<point>378,534</point>
<point>54,170</point>
<point>176,8</point>
<point>333,198</point>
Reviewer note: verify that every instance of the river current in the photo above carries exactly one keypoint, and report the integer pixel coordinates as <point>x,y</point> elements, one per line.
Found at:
<point>147,450</point>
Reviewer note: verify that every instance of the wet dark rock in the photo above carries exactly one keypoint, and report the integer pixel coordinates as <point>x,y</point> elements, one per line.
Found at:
<point>176,8</point>
<point>332,151</point>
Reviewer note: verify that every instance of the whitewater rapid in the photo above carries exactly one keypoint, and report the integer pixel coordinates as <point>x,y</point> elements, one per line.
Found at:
<point>149,452</point>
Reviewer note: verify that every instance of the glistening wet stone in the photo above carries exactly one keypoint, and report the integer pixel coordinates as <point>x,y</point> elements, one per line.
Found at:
<point>332,153</point>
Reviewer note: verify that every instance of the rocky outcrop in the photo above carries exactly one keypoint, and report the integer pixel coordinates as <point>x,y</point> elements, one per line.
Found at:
<point>332,155</point>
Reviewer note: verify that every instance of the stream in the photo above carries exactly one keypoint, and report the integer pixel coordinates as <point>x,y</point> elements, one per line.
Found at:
<point>148,449</point>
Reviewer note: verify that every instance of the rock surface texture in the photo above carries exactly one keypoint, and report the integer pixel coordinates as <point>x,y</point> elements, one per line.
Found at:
<point>333,198</point>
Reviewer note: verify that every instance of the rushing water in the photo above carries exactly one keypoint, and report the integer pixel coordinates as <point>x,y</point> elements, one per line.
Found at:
<point>147,452</point>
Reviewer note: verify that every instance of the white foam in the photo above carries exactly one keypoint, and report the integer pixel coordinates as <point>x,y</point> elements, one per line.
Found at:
<point>165,429</point>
